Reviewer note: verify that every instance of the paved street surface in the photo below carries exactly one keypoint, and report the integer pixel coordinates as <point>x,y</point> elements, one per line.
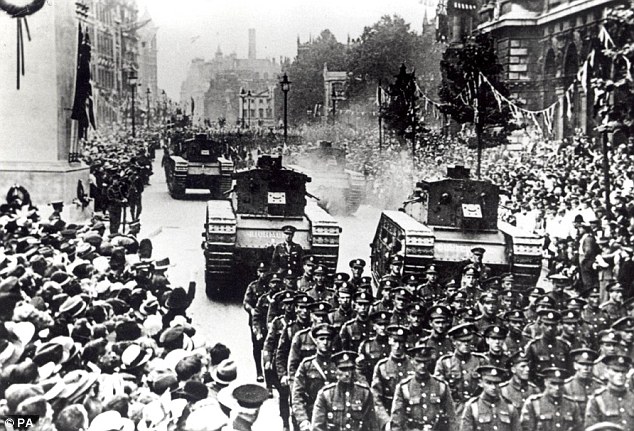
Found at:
<point>175,227</point>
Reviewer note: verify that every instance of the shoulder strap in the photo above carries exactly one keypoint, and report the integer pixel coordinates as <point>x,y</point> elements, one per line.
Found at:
<point>405,388</point>
<point>535,402</point>
<point>474,408</point>
<point>319,369</point>
<point>600,403</point>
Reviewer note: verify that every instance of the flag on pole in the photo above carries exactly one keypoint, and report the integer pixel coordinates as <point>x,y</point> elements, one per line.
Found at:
<point>192,106</point>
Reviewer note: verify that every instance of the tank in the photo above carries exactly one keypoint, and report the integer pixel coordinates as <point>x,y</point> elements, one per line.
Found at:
<point>197,163</point>
<point>340,190</point>
<point>443,220</point>
<point>243,231</point>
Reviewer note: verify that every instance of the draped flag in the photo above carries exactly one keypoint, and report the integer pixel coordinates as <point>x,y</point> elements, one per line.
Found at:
<point>82,104</point>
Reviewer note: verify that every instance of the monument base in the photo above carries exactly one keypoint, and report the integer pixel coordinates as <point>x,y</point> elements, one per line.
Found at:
<point>50,182</point>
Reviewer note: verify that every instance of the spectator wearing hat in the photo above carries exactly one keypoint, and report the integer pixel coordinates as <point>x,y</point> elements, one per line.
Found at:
<point>609,344</point>
<point>547,350</point>
<point>224,374</point>
<point>389,371</point>
<point>313,374</point>
<point>254,291</point>
<point>551,409</point>
<point>582,384</point>
<point>319,291</point>
<point>305,282</point>
<point>614,402</point>
<point>343,312</point>
<point>346,404</point>
<point>489,410</point>
<point>375,348</point>
<point>303,343</point>
<point>518,388</point>
<point>354,331</point>
<point>240,403</point>
<point>458,367</point>
<point>613,308</point>
<point>494,336</point>
<point>357,266</point>
<point>430,290</point>
<point>422,401</point>
<point>415,318</point>
<point>287,254</point>
<point>439,318</point>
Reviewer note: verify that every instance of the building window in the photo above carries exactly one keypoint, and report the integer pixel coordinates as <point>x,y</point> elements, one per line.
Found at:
<point>261,112</point>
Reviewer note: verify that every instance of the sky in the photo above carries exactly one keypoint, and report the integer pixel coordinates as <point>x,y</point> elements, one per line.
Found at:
<point>195,28</point>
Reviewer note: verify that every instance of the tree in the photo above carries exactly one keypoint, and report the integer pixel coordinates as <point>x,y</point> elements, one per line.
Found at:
<point>380,46</point>
<point>306,74</point>
<point>460,92</point>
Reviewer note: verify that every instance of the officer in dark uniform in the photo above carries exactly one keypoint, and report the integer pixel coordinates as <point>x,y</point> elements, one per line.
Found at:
<point>552,409</point>
<point>377,347</point>
<point>389,371</point>
<point>422,401</point>
<point>582,384</point>
<point>346,404</point>
<point>518,388</point>
<point>357,267</point>
<point>313,374</point>
<point>354,331</point>
<point>476,261</point>
<point>288,254</point>
<point>458,369</point>
<point>490,411</point>
<point>494,336</point>
<point>615,402</point>
<point>255,289</point>
<point>547,351</point>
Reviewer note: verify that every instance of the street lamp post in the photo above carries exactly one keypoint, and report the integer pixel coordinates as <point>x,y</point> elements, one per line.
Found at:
<point>133,79</point>
<point>147,95</point>
<point>286,85</point>
<point>334,105</point>
<point>243,94</point>
<point>249,107</point>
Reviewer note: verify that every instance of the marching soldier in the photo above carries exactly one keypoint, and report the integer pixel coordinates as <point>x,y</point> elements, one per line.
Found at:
<point>305,282</point>
<point>615,402</point>
<point>261,314</point>
<point>255,289</point>
<point>396,268</point>
<point>490,308</point>
<point>354,331</point>
<point>431,290</point>
<point>288,254</point>
<point>494,336</point>
<point>319,291</point>
<point>490,410</point>
<point>356,270</point>
<point>515,340</point>
<point>388,372</point>
<point>552,409</point>
<point>592,314</point>
<point>313,374</point>
<point>439,317</point>
<point>422,401</point>
<point>384,301</point>
<point>613,308</point>
<point>547,351</point>
<point>401,302</point>
<point>458,369</point>
<point>415,315</point>
<point>372,350</point>
<point>571,330</point>
<point>344,311</point>
<point>609,342</point>
<point>346,404</point>
<point>625,328</point>
<point>580,386</point>
<point>518,388</point>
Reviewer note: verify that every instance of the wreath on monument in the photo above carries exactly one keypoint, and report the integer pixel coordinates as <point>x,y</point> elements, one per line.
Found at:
<point>20,12</point>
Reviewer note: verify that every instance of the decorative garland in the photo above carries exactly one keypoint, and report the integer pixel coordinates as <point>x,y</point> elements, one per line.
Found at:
<point>20,13</point>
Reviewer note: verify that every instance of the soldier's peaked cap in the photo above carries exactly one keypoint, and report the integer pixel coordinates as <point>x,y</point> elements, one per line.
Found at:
<point>310,260</point>
<point>303,299</point>
<point>323,329</point>
<point>515,316</point>
<point>320,307</point>
<point>345,359</point>
<point>478,251</point>
<point>397,259</point>
<point>555,373</point>
<point>517,358</point>
<point>584,356</point>
<point>320,269</point>
<point>341,277</point>
<point>439,312</point>
<point>570,316</point>
<point>618,362</point>
<point>609,336</point>
<point>624,324</point>
<point>421,352</point>
<point>357,263</point>
<point>381,317</point>
<point>289,274</point>
<point>605,426</point>
<point>416,309</point>
<point>495,331</point>
<point>363,297</point>
<point>549,315</point>
<point>289,229</point>
<point>491,373</point>
<point>462,331</point>
<point>397,331</point>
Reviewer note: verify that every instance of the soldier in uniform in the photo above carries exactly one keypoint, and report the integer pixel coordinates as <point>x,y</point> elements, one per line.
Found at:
<point>267,308</point>
<point>560,282</point>
<point>490,307</point>
<point>319,291</point>
<point>305,282</point>
<point>547,351</point>
<point>490,410</point>
<point>625,328</point>
<point>476,261</point>
<point>431,290</point>
<point>402,299</point>
<point>287,254</point>
<point>415,316</point>
<point>255,289</point>
<point>515,340</point>
<point>388,372</point>
<point>344,311</point>
<point>552,409</point>
<point>615,402</point>
<point>439,318</point>
<point>410,282</point>
<point>354,331</point>
<point>377,347</point>
<point>613,308</point>
<point>582,384</point>
<point>116,201</point>
<point>530,311</point>
<point>384,301</point>
<point>396,268</point>
<point>592,314</point>
<point>609,342</point>
<point>422,401</point>
<point>289,278</point>
<point>494,336</point>
<point>356,270</point>
<point>571,330</point>
<point>518,388</point>
<point>458,369</point>
<point>313,374</point>
<point>269,353</point>
<point>346,404</point>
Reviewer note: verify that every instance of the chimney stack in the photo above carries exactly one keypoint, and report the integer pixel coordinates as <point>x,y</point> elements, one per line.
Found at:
<point>251,44</point>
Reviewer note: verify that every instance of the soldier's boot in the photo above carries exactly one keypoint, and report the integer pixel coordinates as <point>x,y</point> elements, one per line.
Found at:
<point>258,345</point>
<point>285,410</point>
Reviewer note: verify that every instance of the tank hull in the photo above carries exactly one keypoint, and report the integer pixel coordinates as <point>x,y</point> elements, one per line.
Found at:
<point>182,175</point>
